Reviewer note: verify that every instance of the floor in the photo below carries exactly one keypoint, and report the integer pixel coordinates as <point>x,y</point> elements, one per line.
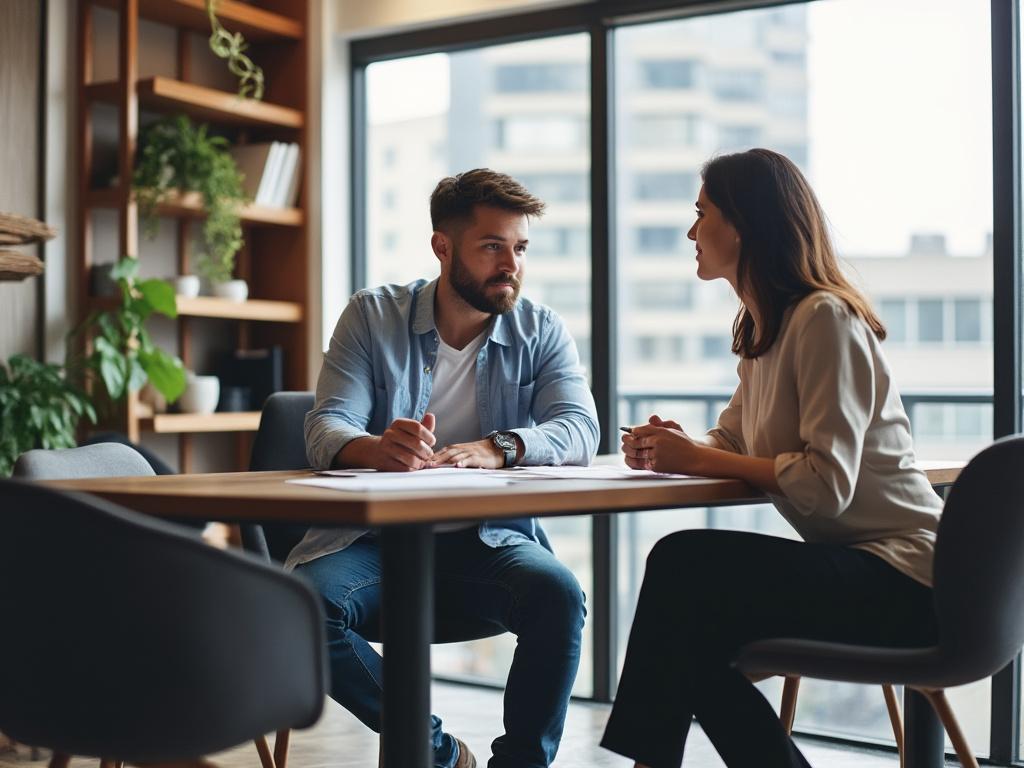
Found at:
<point>474,715</point>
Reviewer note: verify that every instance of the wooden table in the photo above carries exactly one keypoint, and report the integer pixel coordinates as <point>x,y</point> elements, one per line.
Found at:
<point>406,521</point>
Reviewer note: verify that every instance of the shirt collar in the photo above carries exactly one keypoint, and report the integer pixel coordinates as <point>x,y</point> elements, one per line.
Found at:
<point>423,322</point>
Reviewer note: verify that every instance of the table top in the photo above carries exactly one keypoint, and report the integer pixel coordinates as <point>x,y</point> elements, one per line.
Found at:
<point>266,497</point>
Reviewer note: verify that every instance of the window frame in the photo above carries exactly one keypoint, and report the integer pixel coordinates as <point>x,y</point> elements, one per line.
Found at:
<point>601,19</point>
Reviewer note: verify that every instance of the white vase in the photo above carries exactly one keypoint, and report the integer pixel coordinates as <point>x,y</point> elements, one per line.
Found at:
<point>201,394</point>
<point>232,290</point>
<point>186,285</point>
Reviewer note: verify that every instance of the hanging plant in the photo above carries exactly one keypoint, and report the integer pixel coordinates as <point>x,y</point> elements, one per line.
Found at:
<point>231,47</point>
<point>176,156</point>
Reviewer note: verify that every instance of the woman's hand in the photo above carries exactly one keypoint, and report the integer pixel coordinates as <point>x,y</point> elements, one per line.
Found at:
<point>663,448</point>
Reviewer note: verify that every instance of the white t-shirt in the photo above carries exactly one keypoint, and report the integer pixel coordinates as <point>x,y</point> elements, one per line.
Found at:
<point>453,403</point>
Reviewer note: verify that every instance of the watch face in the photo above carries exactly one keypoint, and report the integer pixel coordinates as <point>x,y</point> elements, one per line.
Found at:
<point>505,440</point>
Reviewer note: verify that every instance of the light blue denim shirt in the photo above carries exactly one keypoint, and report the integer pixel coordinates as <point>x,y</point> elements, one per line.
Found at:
<point>378,369</point>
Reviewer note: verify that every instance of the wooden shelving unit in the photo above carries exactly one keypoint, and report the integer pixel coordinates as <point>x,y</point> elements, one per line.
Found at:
<point>188,423</point>
<point>274,261</point>
<point>190,205</point>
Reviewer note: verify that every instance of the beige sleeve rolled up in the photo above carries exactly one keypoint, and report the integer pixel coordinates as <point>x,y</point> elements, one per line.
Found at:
<point>836,388</point>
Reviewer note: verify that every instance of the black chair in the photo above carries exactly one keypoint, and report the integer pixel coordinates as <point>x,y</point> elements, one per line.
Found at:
<point>978,592</point>
<point>131,640</point>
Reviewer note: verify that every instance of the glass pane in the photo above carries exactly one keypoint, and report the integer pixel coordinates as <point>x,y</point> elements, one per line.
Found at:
<point>523,109</point>
<point>870,137</point>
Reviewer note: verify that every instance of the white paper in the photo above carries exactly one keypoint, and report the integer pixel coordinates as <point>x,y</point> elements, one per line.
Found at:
<point>589,473</point>
<point>423,480</point>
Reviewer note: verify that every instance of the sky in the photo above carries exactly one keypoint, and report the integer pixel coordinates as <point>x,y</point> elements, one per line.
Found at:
<point>899,118</point>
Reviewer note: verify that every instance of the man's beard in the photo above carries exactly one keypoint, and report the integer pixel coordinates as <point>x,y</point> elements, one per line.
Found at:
<point>474,293</point>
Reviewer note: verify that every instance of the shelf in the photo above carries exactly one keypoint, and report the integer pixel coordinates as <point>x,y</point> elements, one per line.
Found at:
<point>242,421</point>
<point>262,310</point>
<point>167,94</point>
<point>250,309</point>
<point>254,23</point>
<point>190,205</point>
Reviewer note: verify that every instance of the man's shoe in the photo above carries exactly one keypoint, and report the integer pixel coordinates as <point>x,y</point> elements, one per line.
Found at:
<point>466,759</point>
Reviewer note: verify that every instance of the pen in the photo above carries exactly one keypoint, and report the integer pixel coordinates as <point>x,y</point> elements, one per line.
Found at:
<point>627,430</point>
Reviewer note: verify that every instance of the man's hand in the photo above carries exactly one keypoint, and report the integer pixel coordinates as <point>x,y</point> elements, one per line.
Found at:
<point>405,446</point>
<point>481,453</point>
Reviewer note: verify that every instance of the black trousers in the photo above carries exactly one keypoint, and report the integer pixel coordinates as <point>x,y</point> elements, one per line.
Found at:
<point>705,594</point>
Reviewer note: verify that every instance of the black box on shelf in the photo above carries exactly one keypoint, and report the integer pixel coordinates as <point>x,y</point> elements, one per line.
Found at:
<point>259,371</point>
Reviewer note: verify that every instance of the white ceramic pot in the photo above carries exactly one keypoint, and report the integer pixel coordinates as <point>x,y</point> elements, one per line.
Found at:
<point>201,394</point>
<point>186,285</point>
<point>233,290</point>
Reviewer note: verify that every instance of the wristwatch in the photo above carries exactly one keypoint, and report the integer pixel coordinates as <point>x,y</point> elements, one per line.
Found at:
<point>506,443</point>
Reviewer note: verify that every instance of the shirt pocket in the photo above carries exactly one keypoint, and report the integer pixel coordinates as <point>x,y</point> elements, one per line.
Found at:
<point>518,405</point>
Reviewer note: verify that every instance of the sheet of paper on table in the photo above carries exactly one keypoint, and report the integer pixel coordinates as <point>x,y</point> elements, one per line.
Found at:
<point>589,473</point>
<point>442,478</point>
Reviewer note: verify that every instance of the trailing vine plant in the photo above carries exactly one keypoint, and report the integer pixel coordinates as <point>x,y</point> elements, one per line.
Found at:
<point>174,155</point>
<point>231,47</point>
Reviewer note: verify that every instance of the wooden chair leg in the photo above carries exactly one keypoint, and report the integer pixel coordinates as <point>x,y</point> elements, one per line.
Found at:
<point>58,760</point>
<point>787,710</point>
<point>264,749</point>
<point>281,748</point>
<point>892,703</point>
<point>941,706</point>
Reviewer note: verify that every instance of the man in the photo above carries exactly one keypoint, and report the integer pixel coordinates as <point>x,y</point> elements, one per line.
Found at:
<point>461,371</point>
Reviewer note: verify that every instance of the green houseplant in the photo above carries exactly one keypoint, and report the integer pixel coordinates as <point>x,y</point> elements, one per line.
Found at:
<point>123,356</point>
<point>39,408</point>
<point>177,156</point>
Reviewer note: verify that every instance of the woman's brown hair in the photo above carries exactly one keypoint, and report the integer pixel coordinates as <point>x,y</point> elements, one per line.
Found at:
<point>785,249</point>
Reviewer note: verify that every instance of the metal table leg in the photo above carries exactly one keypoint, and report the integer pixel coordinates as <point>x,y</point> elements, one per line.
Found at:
<point>924,739</point>
<point>407,558</point>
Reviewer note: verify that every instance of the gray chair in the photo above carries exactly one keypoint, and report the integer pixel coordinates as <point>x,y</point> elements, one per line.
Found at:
<point>99,460</point>
<point>135,641</point>
<point>978,592</point>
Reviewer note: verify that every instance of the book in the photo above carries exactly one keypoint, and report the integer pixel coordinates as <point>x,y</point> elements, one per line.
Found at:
<point>251,160</point>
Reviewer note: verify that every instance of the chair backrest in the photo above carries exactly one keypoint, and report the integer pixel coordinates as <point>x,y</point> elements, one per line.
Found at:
<point>280,444</point>
<point>979,563</point>
<point>128,639</point>
<point>98,460</point>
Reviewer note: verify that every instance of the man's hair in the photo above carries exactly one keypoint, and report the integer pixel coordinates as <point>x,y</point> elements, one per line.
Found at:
<point>454,198</point>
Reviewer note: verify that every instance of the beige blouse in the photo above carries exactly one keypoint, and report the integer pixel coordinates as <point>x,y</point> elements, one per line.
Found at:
<point>823,404</point>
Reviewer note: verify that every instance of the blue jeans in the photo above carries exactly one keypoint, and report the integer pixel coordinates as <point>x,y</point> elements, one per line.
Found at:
<point>521,588</point>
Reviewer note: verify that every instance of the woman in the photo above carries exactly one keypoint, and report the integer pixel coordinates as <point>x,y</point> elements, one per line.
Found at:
<point>817,423</point>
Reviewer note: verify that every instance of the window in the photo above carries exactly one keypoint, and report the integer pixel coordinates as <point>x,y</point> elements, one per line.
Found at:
<point>658,296</point>
<point>737,85</point>
<point>557,187</point>
<point>541,134</point>
<point>658,240</point>
<point>894,317</point>
<point>930,320</point>
<point>967,319</point>
<point>665,186</point>
<point>654,132</point>
<point>668,74</point>
<point>684,90</point>
<point>541,77</point>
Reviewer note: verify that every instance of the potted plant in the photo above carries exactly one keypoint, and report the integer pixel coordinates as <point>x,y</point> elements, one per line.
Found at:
<point>39,408</point>
<point>123,356</point>
<point>231,46</point>
<point>177,157</point>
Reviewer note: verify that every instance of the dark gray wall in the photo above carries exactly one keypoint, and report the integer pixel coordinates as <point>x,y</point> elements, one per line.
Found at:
<point>21,139</point>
